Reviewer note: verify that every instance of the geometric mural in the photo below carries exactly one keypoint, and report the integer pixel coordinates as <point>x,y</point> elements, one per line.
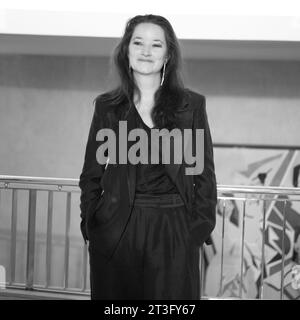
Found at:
<point>255,167</point>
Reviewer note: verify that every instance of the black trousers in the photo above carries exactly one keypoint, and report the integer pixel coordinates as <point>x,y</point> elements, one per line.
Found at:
<point>154,259</point>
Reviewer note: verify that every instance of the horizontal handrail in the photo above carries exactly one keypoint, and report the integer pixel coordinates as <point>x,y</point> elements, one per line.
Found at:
<point>39,180</point>
<point>221,187</point>
<point>259,189</point>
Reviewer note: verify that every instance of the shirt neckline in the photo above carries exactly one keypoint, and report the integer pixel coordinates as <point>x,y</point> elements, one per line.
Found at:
<point>141,119</point>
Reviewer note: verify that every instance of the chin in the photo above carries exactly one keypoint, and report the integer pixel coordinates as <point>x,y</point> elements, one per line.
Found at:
<point>146,71</point>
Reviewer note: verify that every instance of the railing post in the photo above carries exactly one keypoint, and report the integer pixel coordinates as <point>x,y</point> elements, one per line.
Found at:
<point>49,238</point>
<point>262,266</point>
<point>67,240</point>
<point>13,237</point>
<point>31,240</point>
<point>283,251</point>
<point>242,254</point>
<point>84,270</point>
<point>222,250</point>
<point>201,264</point>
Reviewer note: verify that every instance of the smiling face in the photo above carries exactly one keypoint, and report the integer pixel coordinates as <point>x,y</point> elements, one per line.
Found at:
<point>147,49</point>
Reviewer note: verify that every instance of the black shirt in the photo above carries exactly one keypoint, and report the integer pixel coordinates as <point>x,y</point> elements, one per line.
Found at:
<point>152,178</point>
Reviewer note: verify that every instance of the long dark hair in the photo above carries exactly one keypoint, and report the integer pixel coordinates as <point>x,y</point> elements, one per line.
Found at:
<point>170,94</point>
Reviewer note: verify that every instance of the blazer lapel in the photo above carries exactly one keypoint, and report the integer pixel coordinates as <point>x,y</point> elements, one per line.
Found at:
<point>185,119</point>
<point>131,169</point>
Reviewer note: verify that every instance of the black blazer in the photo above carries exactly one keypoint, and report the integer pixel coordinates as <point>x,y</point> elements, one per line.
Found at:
<point>108,190</point>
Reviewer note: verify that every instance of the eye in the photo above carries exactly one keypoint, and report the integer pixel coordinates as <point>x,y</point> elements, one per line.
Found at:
<point>157,45</point>
<point>137,42</point>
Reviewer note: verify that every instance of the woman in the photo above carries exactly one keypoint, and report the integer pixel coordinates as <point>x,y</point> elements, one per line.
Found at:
<point>145,221</point>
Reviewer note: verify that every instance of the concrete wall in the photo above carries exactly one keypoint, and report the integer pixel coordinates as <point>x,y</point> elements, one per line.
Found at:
<point>46,107</point>
<point>251,102</point>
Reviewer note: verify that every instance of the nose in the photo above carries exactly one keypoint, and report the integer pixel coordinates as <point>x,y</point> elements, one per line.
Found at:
<point>146,51</point>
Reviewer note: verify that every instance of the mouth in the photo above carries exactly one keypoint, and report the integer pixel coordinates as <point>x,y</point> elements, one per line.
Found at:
<point>145,60</point>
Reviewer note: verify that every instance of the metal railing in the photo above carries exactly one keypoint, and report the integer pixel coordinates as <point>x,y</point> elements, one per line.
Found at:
<point>33,186</point>
<point>272,212</point>
<point>226,195</point>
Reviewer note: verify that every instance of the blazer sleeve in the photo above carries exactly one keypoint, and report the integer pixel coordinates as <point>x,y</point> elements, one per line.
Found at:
<point>205,189</point>
<point>92,171</point>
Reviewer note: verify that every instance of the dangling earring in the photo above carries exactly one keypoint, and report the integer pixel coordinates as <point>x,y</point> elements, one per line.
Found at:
<point>163,75</point>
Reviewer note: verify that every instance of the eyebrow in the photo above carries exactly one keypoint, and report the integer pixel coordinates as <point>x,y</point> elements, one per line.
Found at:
<point>153,39</point>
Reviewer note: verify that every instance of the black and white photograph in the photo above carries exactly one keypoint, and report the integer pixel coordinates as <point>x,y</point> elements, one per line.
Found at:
<point>150,151</point>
